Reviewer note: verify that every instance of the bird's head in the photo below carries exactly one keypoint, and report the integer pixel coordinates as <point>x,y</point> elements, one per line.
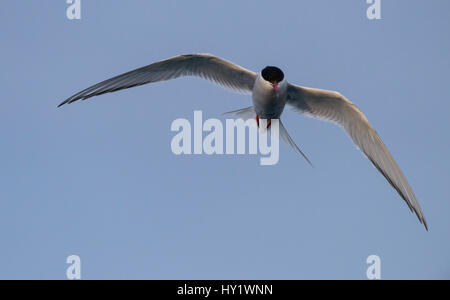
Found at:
<point>274,76</point>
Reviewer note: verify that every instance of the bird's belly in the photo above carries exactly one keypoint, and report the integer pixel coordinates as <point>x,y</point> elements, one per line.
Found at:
<point>268,106</point>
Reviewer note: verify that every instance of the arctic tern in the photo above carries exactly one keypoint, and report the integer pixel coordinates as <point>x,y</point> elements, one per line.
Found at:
<point>270,93</point>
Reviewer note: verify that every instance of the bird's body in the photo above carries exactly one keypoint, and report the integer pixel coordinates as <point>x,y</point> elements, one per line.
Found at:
<point>270,93</point>
<point>265,100</point>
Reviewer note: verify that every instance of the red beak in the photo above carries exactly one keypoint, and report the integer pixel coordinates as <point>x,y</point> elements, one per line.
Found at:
<point>275,87</point>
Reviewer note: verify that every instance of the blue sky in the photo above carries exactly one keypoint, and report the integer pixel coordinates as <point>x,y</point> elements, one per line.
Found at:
<point>98,179</point>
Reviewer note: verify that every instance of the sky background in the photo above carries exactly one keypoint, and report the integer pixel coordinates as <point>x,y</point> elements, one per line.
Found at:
<point>98,179</point>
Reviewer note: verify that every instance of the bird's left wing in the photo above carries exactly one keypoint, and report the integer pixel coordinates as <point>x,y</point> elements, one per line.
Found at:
<point>206,66</point>
<point>334,107</point>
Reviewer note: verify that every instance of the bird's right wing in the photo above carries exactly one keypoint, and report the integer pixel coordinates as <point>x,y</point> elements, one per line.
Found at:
<point>334,107</point>
<point>205,66</point>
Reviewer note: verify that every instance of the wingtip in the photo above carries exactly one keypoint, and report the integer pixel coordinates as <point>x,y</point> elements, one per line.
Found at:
<point>64,102</point>
<point>425,224</point>
<point>422,219</point>
<point>309,162</point>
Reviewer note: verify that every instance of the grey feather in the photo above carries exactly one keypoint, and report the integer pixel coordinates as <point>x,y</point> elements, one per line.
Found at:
<point>205,66</point>
<point>334,107</point>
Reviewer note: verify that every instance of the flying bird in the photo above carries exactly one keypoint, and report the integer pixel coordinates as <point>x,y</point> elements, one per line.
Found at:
<point>270,93</point>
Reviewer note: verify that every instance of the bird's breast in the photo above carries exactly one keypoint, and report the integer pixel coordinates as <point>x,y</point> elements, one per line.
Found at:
<point>265,100</point>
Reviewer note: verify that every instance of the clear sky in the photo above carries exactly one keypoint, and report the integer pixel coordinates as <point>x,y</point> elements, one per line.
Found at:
<point>98,179</point>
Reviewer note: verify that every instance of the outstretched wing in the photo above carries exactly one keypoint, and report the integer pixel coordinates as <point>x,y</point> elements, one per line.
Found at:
<point>205,66</point>
<point>334,107</point>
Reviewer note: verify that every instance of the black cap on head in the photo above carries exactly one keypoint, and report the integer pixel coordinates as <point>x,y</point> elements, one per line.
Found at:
<point>272,74</point>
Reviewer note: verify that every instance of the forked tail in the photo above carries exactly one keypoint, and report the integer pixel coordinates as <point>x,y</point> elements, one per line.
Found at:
<point>287,139</point>
<point>249,113</point>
